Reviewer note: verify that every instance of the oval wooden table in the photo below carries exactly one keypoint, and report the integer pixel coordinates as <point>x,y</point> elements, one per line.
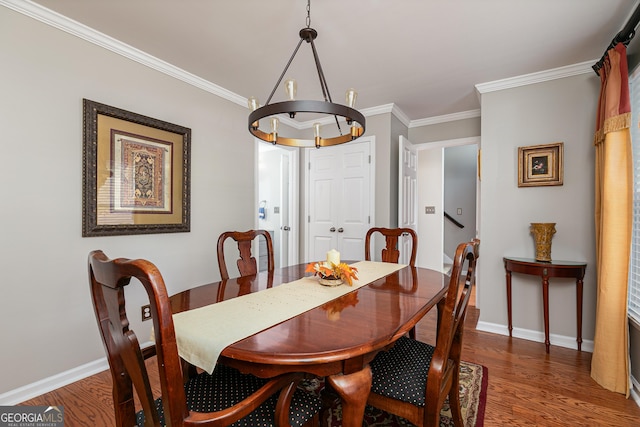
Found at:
<point>336,340</point>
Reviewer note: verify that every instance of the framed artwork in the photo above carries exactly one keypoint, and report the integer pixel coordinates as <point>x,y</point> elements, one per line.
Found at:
<point>136,173</point>
<point>540,165</point>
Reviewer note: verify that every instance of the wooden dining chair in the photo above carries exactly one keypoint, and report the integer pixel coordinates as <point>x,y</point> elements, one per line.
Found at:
<point>413,379</point>
<point>223,398</point>
<point>391,252</point>
<point>247,264</point>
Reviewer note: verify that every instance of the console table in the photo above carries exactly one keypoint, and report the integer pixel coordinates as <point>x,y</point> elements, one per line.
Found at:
<point>546,270</point>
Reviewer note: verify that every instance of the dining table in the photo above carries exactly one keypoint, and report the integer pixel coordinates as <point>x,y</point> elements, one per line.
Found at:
<point>335,340</point>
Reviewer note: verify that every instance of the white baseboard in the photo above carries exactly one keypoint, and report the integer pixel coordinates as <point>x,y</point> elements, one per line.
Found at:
<point>38,388</point>
<point>29,391</point>
<point>537,336</point>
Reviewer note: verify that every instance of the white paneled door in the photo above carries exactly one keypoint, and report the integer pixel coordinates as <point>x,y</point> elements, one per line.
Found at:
<point>340,194</point>
<point>407,194</point>
<point>277,196</point>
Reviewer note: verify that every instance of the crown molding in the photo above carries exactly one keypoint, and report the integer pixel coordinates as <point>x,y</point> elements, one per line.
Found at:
<point>380,109</point>
<point>539,77</point>
<point>396,111</point>
<point>445,118</point>
<point>449,143</point>
<point>61,22</point>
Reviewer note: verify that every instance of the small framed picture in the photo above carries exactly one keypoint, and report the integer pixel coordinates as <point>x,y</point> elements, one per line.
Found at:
<point>540,165</point>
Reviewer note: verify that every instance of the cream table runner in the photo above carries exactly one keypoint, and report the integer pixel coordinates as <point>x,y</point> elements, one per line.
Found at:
<point>203,333</point>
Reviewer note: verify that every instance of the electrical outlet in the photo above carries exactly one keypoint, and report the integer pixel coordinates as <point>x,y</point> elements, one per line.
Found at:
<point>146,312</point>
<point>429,209</point>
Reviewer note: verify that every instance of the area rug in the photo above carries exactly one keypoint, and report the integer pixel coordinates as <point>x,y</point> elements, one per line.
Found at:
<point>473,397</point>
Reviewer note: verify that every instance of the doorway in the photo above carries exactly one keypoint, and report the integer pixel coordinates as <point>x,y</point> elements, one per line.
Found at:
<point>449,170</point>
<point>460,196</point>
<point>277,207</point>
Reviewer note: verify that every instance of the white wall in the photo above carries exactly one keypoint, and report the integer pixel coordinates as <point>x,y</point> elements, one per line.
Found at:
<point>464,128</point>
<point>46,316</point>
<point>430,226</point>
<point>380,127</point>
<point>561,110</point>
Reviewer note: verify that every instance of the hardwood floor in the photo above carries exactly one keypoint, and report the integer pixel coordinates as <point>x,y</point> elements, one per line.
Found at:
<point>527,387</point>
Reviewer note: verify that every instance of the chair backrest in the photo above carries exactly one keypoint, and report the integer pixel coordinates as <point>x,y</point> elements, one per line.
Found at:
<point>126,360</point>
<point>247,264</point>
<point>107,279</point>
<point>446,358</point>
<point>391,252</point>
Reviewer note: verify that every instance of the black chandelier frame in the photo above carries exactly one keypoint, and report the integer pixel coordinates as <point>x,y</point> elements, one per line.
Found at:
<point>327,107</point>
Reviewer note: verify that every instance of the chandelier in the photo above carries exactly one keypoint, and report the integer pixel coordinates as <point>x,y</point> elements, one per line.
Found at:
<point>323,135</point>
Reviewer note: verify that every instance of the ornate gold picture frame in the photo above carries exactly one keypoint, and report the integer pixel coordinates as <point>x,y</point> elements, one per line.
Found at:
<point>136,173</point>
<point>540,165</point>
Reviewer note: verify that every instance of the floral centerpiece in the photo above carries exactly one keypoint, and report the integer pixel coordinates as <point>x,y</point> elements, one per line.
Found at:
<point>333,272</point>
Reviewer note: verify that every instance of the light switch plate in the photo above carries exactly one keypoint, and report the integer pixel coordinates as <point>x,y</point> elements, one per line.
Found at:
<point>430,209</point>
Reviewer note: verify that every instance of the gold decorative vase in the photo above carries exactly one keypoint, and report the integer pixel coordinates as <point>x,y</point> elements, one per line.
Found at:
<point>542,233</point>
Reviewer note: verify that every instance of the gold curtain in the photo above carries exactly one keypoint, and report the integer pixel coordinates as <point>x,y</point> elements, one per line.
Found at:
<point>613,217</point>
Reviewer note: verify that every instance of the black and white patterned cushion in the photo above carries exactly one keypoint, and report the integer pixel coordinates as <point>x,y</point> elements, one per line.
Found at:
<point>227,386</point>
<point>401,373</point>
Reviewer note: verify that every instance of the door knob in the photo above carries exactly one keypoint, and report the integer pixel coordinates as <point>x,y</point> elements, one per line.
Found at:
<point>332,229</point>
<point>340,230</point>
<point>286,228</point>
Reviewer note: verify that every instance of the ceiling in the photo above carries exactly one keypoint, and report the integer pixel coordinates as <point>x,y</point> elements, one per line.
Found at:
<point>424,56</point>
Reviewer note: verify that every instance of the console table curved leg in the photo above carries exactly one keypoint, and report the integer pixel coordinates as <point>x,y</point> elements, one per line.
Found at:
<point>579,312</point>
<point>509,302</point>
<point>545,301</point>
<point>353,389</point>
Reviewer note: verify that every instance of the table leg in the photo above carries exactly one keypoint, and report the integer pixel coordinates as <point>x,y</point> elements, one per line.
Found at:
<point>353,389</point>
<point>579,312</point>
<point>509,302</point>
<point>545,302</point>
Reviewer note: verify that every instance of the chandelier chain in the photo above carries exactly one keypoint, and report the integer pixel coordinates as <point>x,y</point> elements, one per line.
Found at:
<point>308,13</point>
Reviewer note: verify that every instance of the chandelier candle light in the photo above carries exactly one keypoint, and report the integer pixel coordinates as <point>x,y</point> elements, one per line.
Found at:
<point>346,113</point>
<point>332,272</point>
